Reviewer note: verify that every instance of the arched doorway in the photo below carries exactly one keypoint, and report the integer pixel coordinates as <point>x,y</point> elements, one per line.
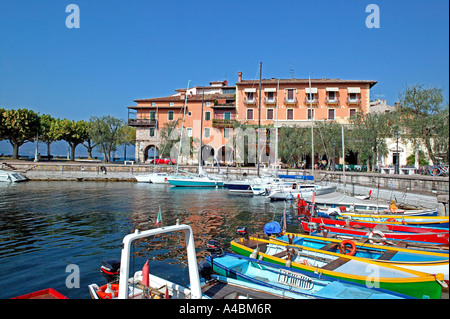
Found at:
<point>207,154</point>
<point>149,152</point>
<point>225,155</point>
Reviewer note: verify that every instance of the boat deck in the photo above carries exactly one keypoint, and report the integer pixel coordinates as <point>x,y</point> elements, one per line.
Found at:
<point>219,290</point>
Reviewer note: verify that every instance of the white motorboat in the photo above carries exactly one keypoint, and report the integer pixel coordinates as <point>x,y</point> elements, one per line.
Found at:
<point>156,178</point>
<point>144,285</point>
<point>282,191</point>
<point>12,177</point>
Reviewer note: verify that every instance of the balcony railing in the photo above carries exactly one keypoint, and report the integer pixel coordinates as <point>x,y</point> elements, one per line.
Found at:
<point>250,102</point>
<point>356,101</point>
<point>268,101</point>
<point>335,100</point>
<point>313,101</point>
<point>293,101</point>
<point>222,123</point>
<point>141,122</point>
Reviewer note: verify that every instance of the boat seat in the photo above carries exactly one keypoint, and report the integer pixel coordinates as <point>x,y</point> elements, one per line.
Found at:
<point>335,263</point>
<point>388,254</point>
<point>329,246</point>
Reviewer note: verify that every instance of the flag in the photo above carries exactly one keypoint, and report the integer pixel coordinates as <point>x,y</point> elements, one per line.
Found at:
<point>159,218</point>
<point>145,275</point>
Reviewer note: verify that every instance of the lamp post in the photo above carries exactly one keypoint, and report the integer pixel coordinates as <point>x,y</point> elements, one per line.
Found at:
<point>397,163</point>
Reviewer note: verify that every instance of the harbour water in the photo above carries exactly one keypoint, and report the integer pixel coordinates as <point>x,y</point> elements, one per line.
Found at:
<point>56,234</point>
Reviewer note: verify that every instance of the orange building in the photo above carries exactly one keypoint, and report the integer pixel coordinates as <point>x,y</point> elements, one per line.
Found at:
<point>225,106</point>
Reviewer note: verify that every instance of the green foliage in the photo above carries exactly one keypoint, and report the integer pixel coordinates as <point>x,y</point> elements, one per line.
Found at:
<point>105,131</point>
<point>72,132</point>
<point>19,126</point>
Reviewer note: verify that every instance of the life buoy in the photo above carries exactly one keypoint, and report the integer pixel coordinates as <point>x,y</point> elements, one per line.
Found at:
<point>378,235</point>
<point>103,295</point>
<point>343,247</point>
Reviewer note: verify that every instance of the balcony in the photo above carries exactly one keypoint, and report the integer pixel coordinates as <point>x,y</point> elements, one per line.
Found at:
<point>250,102</point>
<point>333,101</point>
<point>354,101</point>
<point>141,122</point>
<point>313,101</point>
<point>272,101</point>
<point>224,120</point>
<point>293,101</point>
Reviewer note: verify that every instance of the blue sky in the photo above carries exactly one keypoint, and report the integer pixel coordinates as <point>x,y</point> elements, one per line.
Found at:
<point>125,50</point>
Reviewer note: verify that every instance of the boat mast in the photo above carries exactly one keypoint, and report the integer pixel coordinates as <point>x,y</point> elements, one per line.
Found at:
<point>182,126</point>
<point>200,157</point>
<point>312,126</point>
<point>156,139</point>
<point>276,127</point>
<point>343,157</point>
<point>259,116</point>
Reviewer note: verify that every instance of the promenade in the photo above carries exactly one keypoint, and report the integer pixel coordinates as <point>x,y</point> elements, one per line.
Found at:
<point>412,190</point>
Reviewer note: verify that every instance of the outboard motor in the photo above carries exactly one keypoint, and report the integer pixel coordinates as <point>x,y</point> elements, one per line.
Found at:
<point>213,247</point>
<point>205,270</point>
<point>242,231</point>
<point>110,270</point>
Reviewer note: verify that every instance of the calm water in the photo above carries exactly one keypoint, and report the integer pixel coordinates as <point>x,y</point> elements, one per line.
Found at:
<point>46,226</point>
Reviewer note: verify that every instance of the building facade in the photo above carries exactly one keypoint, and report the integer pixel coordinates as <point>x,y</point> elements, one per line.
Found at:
<point>214,112</point>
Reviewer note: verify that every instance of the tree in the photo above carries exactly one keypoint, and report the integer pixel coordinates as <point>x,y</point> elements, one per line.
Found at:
<point>19,126</point>
<point>46,132</point>
<point>74,133</point>
<point>127,137</point>
<point>105,132</point>
<point>293,144</point>
<point>425,118</point>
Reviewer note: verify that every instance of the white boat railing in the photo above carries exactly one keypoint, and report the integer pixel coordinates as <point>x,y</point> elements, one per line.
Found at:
<point>194,277</point>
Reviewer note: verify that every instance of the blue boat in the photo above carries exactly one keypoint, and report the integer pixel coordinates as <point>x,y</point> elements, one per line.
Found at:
<point>304,284</point>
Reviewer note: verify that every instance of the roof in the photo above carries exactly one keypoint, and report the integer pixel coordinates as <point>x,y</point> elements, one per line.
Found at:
<point>179,98</point>
<point>305,81</point>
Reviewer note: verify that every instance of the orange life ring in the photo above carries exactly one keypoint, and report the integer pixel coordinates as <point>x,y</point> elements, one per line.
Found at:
<point>343,247</point>
<point>103,295</point>
<point>378,235</point>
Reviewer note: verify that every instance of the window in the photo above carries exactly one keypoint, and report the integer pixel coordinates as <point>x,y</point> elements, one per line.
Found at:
<point>352,112</point>
<point>310,97</point>
<point>331,96</point>
<point>207,115</point>
<point>226,132</point>
<point>250,97</point>
<point>331,114</point>
<point>270,114</point>
<point>290,114</point>
<point>151,132</point>
<point>152,115</point>
<point>227,116</point>
<point>207,132</point>
<point>249,114</point>
<point>310,114</point>
<point>171,104</point>
<point>170,116</point>
<point>290,95</point>
<point>189,131</point>
<point>208,103</point>
<point>153,104</point>
<point>270,96</point>
<point>352,97</point>
<point>189,113</point>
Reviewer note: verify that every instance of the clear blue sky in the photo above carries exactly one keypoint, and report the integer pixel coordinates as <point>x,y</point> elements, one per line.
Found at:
<point>125,50</point>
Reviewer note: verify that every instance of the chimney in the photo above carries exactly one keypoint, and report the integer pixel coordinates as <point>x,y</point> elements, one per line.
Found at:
<point>240,76</point>
<point>182,94</point>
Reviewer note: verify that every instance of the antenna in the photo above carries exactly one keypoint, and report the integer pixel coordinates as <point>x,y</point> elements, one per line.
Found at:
<point>292,69</point>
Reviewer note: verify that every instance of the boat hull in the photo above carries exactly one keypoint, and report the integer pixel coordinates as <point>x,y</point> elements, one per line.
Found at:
<point>404,281</point>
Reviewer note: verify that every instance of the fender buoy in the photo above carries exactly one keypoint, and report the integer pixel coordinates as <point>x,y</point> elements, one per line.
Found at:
<point>343,247</point>
<point>104,295</point>
<point>378,235</point>
<point>103,169</point>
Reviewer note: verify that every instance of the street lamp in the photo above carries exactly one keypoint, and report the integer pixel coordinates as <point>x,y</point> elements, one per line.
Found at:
<point>397,163</point>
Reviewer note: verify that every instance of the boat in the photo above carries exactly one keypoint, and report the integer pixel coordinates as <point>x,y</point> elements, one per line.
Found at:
<point>155,178</point>
<point>48,293</point>
<point>12,177</point>
<point>144,285</point>
<point>282,191</point>
<point>424,221</point>
<point>292,281</point>
<point>377,232</point>
<point>194,181</point>
<point>354,269</point>
<point>352,204</point>
<point>424,261</point>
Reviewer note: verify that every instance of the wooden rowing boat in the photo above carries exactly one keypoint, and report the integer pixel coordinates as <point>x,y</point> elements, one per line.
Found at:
<point>294,282</point>
<point>410,282</point>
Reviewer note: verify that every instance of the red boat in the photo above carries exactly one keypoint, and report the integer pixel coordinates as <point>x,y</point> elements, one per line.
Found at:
<point>369,230</point>
<point>48,293</point>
